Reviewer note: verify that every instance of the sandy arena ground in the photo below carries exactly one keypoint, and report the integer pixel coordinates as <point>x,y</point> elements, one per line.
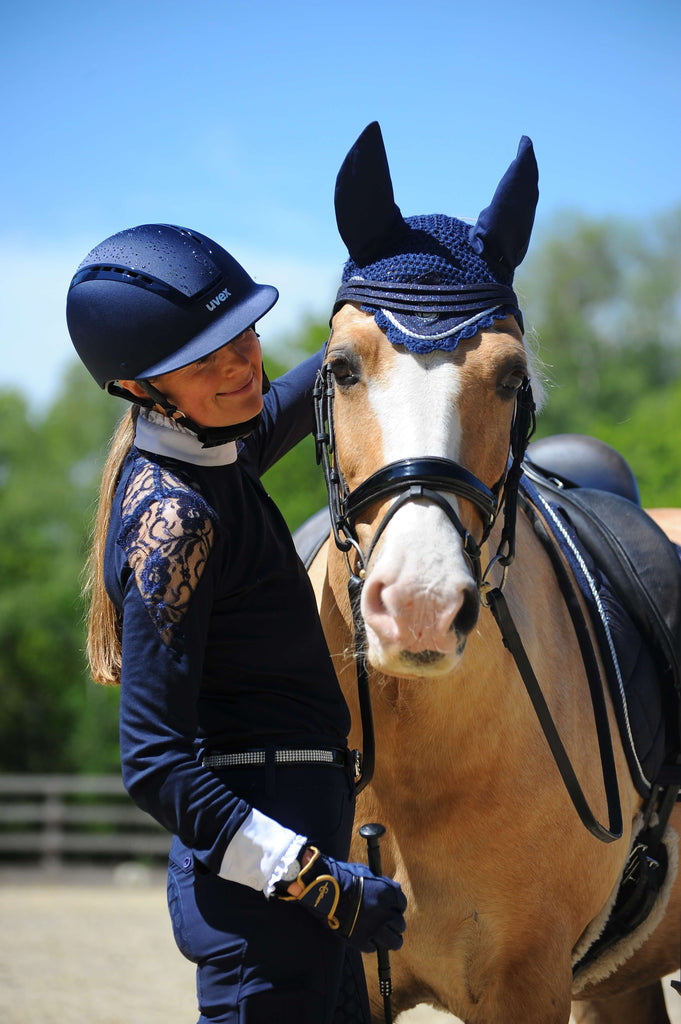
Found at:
<point>96,948</point>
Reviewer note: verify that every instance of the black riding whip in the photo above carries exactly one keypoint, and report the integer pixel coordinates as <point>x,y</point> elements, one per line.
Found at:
<point>372,833</point>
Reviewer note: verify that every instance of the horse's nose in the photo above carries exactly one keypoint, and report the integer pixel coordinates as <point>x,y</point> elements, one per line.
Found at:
<point>413,618</point>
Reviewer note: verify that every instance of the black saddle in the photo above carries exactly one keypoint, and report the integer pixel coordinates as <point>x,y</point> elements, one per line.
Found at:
<point>310,535</point>
<point>594,488</point>
<point>597,490</point>
<point>577,460</point>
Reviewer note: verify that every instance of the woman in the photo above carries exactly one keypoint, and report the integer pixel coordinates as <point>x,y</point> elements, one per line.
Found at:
<point>232,724</point>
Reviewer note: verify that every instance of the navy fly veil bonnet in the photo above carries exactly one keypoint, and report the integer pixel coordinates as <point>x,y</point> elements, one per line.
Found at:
<point>430,280</point>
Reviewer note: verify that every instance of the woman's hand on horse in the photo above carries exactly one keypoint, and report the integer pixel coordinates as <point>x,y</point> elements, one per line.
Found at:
<point>366,910</point>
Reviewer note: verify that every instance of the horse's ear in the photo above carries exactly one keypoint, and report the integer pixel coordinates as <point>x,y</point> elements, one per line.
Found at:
<point>502,232</point>
<point>366,213</point>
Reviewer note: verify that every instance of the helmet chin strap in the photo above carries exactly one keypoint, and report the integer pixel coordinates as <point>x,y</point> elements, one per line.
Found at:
<point>210,437</point>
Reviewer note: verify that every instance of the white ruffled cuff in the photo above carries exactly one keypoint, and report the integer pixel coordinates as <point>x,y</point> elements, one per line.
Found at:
<point>260,853</point>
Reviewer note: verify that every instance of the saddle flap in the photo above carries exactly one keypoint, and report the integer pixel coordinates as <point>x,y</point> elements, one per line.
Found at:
<point>641,563</point>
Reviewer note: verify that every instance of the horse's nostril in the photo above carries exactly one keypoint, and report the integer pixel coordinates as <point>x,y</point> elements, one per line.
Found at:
<point>467,616</point>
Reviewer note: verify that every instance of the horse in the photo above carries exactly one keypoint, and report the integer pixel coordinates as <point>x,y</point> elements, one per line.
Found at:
<point>425,407</point>
<point>670,521</point>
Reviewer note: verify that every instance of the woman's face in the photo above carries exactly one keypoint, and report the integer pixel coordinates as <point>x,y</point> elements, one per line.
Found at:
<point>219,390</point>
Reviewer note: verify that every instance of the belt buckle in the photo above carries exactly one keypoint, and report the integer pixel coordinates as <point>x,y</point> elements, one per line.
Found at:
<point>357,764</point>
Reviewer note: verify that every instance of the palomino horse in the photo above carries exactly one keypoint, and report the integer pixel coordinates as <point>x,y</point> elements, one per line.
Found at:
<point>506,886</point>
<point>670,521</point>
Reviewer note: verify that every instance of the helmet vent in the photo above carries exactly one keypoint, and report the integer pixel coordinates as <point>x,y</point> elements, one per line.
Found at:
<point>159,257</point>
<point>103,271</point>
<point>190,234</point>
<point>126,271</point>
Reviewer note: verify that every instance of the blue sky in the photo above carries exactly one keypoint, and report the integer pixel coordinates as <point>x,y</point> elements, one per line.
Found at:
<point>233,118</point>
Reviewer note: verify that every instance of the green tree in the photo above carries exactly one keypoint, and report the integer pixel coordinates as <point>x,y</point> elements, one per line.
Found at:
<point>48,471</point>
<point>296,482</point>
<point>603,300</point>
<point>651,440</point>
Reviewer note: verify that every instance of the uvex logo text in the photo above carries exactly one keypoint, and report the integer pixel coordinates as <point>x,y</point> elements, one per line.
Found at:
<point>217,299</point>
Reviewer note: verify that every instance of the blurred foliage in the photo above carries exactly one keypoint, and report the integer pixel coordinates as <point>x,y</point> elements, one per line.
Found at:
<point>296,483</point>
<point>50,720</point>
<point>602,298</point>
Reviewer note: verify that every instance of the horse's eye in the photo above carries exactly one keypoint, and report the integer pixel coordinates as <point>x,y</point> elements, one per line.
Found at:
<point>511,382</point>
<point>345,374</point>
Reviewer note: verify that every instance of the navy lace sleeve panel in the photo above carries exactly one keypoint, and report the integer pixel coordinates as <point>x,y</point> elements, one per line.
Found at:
<point>167,537</point>
<point>222,644</point>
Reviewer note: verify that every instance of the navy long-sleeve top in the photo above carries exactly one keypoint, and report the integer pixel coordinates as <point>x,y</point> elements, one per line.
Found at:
<point>222,648</point>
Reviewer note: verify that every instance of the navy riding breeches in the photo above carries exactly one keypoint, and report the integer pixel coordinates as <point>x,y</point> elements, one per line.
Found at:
<point>259,960</point>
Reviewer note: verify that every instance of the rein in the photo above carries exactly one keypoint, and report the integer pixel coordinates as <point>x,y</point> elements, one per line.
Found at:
<point>425,478</point>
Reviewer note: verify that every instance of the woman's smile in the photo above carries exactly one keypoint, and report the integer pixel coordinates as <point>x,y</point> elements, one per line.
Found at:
<point>219,390</point>
<point>239,388</point>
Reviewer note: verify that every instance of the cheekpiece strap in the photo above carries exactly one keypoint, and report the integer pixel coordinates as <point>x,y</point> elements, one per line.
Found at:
<point>425,298</point>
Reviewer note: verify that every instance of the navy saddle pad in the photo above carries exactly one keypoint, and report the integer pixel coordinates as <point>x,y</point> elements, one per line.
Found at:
<point>637,574</point>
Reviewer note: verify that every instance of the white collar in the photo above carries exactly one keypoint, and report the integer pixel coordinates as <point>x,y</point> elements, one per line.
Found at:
<point>158,434</point>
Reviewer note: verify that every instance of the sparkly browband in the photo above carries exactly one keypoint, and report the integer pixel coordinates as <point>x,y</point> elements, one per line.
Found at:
<point>423,299</point>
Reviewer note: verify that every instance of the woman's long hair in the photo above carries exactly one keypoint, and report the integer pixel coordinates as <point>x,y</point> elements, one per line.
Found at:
<point>104,622</point>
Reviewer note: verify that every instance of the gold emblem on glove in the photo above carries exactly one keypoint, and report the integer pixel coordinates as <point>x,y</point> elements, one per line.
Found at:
<point>326,881</point>
<point>322,893</point>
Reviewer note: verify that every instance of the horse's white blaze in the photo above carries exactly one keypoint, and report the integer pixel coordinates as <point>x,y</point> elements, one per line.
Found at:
<point>419,577</point>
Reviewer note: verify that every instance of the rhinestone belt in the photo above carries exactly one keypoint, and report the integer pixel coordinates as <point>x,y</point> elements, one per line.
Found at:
<point>281,756</point>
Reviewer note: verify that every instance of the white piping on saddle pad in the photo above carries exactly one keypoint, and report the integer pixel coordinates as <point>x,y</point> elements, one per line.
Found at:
<point>436,337</point>
<point>601,611</point>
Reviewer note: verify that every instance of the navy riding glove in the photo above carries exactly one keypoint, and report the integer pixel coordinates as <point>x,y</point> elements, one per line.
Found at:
<point>366,910</point>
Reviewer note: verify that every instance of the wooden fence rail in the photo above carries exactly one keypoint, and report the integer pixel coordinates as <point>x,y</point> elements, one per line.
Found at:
<point>55,818</point>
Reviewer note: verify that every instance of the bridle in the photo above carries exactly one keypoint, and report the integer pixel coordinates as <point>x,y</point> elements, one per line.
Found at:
<point>421,478</point>
<point>410,480</point>
<point>426,478</point>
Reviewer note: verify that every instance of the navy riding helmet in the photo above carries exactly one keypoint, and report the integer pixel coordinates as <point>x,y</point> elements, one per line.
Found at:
<point>155,298</point>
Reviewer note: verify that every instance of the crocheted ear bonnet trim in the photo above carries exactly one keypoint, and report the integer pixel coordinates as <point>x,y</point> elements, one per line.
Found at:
<point>433,290</point>
<point>430,281</point>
